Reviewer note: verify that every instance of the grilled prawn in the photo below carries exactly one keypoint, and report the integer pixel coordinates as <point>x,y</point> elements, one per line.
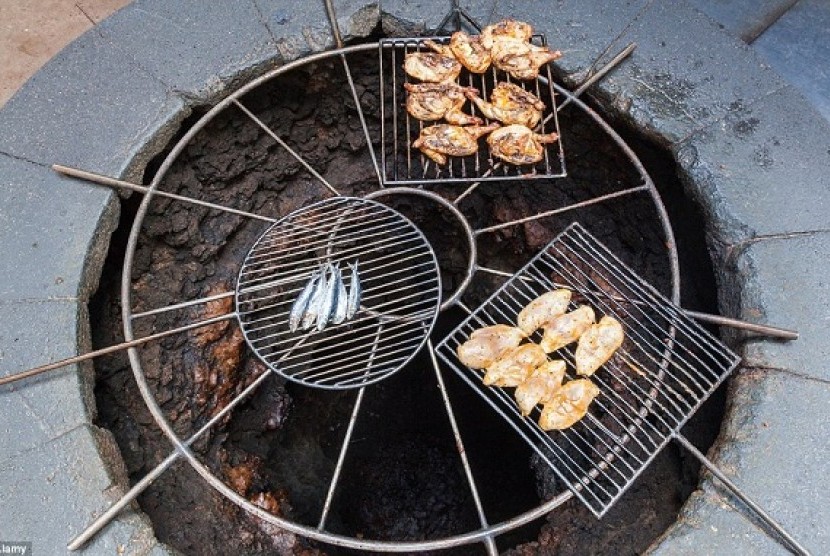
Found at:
<point>517,144</point>
<point>437,141</point>
<point>433,101</point>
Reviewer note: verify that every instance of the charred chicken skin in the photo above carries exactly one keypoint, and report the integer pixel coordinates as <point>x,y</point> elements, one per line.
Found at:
<point>470,51</point>
<point>509,29</point>
<point>438,141</point>
<point>521,60</point>
<point>433,101</point>
<point>431,67</point>
<point>518,145</point>
<point>510,104</point>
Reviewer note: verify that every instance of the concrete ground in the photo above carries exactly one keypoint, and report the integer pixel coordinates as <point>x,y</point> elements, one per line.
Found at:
<point>748,140</point>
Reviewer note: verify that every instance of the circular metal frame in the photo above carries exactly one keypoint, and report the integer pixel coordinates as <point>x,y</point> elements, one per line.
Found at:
<point>462,220</point>
<point>331,375</point>
<point>182,447</point>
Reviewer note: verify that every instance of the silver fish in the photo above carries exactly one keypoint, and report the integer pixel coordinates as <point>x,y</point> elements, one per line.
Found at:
<point>355,293</point>
<point>341,305</point>
<point>301,303</point>
<point>329,301</point>
<point>312,312</point>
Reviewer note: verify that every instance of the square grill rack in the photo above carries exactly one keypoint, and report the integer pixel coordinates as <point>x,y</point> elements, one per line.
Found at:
<point>404,165</point>
<point>666,368</point>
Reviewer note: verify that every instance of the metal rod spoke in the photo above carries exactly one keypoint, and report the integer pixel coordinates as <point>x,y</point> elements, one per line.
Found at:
<point>112,182</point>
<point>793,544</point>
<point>285,146</point>
<point>111,349</point>
<point>362,118</point>
<point>489,542</point>
<point>560,210</point>
<point>184,304</point>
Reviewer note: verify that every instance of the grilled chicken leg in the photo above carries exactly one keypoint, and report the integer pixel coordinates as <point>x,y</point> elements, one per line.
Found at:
<point>439,140</point>
<point>510,104</point>
<point>509,29</point>
<point>431,67</point>
<point>520,59</point>
<point>517,144</point>
<point>433,101</point>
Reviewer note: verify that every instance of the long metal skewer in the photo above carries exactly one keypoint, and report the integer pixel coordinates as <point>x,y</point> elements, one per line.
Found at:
<point>794,545</point>
<point>112,182</point>
<point>764,329</point>
<point>112,349</point>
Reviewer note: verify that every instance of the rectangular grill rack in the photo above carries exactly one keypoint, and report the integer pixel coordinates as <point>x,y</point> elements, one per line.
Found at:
<point>667,367</point>
<point>404,165</point>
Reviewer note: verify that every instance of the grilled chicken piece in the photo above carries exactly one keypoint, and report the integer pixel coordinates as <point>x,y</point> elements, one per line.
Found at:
<point>597,345</point>
<point>510,104</point>
<point>513,368</point>
<point>517,144</point>
<point>509,29</point>
<point>521,60</point>
<point>567,328</point>
<point>543,309</point>
<point>439,140</point>
<point>470,51</point>
<point>433,101</point>
<point>431,67</point>
<point>487,344</point>
<point>540,386</point>
<point>568,405</point>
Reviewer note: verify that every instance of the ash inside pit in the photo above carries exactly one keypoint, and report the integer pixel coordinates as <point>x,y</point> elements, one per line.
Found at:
<point>402,478</point>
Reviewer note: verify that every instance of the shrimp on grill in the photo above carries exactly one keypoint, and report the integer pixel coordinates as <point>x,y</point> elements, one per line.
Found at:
<point>517,144</point>
<point>431,67</point>
<point>433,101</point>
<point>510,104</point>
<point>438,141</point>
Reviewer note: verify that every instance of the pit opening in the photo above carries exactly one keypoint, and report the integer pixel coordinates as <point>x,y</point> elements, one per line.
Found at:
<point>402,478</point>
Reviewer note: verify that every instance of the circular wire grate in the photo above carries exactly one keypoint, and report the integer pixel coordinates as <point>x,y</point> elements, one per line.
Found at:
<point>398,275</point>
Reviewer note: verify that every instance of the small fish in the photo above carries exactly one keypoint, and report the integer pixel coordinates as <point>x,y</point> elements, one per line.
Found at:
<point>342,304</point>
<point>301,303</point>
<point>313,309</point>
<point>355,293</point>
<point>329,302</point>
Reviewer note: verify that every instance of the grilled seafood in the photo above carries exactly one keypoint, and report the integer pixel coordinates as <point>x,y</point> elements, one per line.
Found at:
<point>544,381</point>
<point>510,104</point>
<point>566,329</point>
<point>439,140</point>
<point>433,101</point>
<point>509,29</point>
<point>568,405</point>
<point>512,368</point>
<point>521,60</point>
<point>517,144</point>
<point>597,345</point>
<point>431,67</point>
<point>487,344</point>
<point>543,309</point>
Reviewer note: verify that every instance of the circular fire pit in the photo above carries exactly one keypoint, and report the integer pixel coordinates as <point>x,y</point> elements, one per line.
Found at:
<point>673,130</point>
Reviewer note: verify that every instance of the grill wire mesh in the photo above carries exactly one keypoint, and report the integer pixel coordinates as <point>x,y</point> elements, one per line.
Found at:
<point>404,165</point>
<point>398,274</point>
<point>667,367</point>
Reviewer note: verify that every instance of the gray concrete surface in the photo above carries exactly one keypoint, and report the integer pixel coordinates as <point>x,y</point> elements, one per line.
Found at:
<point>101,105</point>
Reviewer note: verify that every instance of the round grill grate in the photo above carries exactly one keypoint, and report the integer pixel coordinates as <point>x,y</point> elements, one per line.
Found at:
<point>398,275</point>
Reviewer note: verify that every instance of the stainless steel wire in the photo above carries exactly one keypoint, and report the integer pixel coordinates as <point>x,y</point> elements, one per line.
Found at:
<point>400,301</point>
<point>666,368</point>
